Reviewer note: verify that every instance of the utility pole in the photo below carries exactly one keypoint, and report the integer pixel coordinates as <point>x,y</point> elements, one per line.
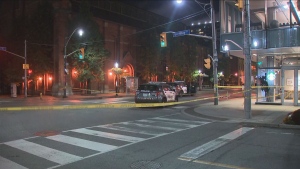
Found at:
<point>247,60</point>
<point>25,75</point>
<point>215,54</point>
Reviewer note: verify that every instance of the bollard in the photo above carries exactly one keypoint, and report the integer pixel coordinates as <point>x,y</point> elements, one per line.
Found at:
<point>41,96</point>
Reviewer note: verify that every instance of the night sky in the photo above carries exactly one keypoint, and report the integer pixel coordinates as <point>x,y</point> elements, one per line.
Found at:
<point>183,11</point>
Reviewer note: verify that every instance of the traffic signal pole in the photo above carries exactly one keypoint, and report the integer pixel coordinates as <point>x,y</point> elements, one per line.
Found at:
<point>247,60</point>
<point>215,54</point>
<point>25,70</point>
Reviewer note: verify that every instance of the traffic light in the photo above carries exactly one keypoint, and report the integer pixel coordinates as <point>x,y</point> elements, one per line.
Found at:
<point>207,63</point>
<point>163,40</point>
<point>240,4</point>
<point>81,55</point>
<point>29,71</point>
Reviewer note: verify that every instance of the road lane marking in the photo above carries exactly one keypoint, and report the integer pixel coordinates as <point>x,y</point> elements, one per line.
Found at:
<point>83,143</point>
<point>44,152</point>
<point>149,126</point>
<point>113,127</point>
<point>177,120</point>
<point>7,164</point>
<point>214,144</point>
<point>108,135</point>
<point>219,164</point>
<point>172,123</point>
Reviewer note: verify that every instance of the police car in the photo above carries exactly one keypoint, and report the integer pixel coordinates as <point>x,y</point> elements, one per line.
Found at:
<point>155,92</point>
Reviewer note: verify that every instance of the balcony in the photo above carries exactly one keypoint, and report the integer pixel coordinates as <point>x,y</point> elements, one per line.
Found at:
<point>284,40</point>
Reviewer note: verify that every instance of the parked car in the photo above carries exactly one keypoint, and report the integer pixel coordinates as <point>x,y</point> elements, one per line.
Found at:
<point>192,89</point>
<point>155,92</point>
<point>182,88</point>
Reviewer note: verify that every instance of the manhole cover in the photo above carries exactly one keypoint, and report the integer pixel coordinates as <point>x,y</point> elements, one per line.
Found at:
<point>145,165</point>
<point>46,133</point>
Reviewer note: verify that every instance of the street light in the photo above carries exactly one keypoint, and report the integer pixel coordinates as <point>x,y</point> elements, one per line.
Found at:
<point>80,32</point>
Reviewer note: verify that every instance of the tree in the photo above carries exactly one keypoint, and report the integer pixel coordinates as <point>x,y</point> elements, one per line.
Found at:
<point>37,30</point>
<point>91,67</point>
<point>183,58</point>
<point>149,60</point>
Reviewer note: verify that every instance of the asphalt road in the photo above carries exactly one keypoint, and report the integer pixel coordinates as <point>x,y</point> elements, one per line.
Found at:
<point>139,138</point>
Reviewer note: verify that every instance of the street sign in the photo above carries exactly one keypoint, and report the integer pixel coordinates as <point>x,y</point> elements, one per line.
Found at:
<point>181,33</point>
<point>3,48</point>
<point>25,66</point>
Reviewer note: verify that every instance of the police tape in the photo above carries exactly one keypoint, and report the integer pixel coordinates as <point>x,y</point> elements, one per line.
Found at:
<point>114,105</point>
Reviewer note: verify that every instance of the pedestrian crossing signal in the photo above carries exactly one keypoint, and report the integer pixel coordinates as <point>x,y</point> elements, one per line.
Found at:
<point>207,63</point>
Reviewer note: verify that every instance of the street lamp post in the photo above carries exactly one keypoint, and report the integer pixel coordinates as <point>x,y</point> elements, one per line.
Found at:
<point>116,66</point>
<point>65,59</point>
<point>200,80</point>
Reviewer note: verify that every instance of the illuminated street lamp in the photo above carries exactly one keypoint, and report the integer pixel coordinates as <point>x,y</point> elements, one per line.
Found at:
<point>80,32</point>
<point>116,71</point>
<point>200,80</point>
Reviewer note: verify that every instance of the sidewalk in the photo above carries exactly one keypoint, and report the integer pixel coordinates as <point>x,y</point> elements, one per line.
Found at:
<point>71,97</point>
<point>261,115</point>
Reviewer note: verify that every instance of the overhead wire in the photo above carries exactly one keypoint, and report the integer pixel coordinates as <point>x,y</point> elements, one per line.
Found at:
<point>173,21</point>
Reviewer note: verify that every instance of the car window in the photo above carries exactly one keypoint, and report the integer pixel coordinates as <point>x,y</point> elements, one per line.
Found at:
<point>148,87</point>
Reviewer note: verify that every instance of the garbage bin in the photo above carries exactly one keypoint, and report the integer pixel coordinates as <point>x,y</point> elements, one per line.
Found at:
<point>13,90</point>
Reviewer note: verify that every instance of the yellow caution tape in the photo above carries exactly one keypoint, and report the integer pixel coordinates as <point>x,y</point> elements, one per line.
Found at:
<point>115,105</point>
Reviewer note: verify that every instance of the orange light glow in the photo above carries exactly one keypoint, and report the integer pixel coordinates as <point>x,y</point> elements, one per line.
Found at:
<point>50,78</point>
<point>40,78</point>
<point>110,73</point>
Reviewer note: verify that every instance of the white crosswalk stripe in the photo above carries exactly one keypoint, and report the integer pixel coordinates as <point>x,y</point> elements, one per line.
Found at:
<point>44,152</point>
<point>179,120</point>
<point>179,125</point>
<point>82,143</point>
<point>5,163</point>
<point>128,133</point>
<point>128,129</point>
<point>108,135</point>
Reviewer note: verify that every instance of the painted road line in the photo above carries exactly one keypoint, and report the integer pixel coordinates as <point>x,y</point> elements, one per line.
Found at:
<point>112,127</point>
<point>179,120</point>
<point>108,135</point>
<point>82,143</point>
<point>149,126</point>
<point>44,152</point>
<point>7,164</point>
<point>171,123</point>
<point>214,144</point>
<point>219,164</point>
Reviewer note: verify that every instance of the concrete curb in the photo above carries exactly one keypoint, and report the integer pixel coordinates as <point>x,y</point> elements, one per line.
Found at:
<point>271,125</point>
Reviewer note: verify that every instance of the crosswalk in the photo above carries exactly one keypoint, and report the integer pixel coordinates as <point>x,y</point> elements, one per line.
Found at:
<point>77,144</point>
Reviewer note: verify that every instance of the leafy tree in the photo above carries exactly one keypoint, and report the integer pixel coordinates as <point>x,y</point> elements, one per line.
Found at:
<point>149,61</point>
<point>37,30</point>
<point>183,57</point>
<point>91,67</point>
